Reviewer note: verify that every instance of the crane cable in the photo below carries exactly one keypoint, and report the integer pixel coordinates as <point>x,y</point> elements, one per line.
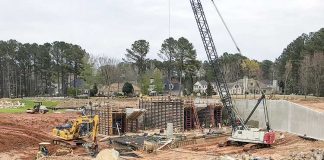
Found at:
<point>221,17</point>
<point>169,18</point>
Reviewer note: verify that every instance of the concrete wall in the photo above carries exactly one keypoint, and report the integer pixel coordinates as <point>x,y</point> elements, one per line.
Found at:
<point>286,116</point>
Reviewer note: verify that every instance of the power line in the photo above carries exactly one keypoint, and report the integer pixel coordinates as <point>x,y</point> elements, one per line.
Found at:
<point>169,18</point>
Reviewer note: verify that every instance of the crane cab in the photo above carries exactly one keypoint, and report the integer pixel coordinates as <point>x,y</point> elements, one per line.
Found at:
<point>253,135</point>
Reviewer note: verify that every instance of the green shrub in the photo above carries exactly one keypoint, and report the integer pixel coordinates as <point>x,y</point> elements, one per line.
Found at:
<point>128,89</point>
<point>73,91</point>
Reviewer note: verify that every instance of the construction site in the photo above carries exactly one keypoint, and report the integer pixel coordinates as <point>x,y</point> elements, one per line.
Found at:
<point>167,128</point>
<point>59,102</point>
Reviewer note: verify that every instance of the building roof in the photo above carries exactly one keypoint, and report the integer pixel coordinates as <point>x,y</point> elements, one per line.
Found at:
<point>202,82</point>
<point>266,85</point>
<point>250,80</point>
<point>231,85</point>
<point>176,86</point>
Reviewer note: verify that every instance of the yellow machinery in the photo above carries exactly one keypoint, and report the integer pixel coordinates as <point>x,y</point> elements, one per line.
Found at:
<point>78,133</point>
<point>42,151</point>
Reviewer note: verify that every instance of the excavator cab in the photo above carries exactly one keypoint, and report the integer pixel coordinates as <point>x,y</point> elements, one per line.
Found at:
<point>83,132</point>
<point>42,150</point>
<point>37,105</point>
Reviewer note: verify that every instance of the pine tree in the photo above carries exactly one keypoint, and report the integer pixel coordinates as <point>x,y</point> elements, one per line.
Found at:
<point>209,89</point>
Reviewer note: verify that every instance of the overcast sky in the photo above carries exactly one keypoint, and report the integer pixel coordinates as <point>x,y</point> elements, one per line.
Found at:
<point>262,28</point>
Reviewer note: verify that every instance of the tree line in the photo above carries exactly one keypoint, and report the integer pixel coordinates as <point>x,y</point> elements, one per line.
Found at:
<point>32,69</point>
<point>38,69</point>
<point>300,67</point>
<point>179,61</point>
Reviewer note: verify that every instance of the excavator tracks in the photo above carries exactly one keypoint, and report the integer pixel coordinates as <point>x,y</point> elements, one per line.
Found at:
<point>71,144</point>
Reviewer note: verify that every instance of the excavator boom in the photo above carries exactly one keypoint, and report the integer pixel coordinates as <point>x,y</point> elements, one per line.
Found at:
<point>95,128</point>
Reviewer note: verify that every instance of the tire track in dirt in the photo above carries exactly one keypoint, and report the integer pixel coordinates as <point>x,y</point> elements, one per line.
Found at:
<point>21,133</point>
<point>19,137</point>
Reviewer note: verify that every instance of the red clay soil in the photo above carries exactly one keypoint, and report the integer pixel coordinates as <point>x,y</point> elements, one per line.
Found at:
<point>210,150</point>
<point>21,133</point>
<point>19,137</point>
<point>281,149</point>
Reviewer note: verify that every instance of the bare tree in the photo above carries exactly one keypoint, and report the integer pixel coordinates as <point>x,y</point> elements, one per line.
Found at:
<point>287,73</point>
<point>108,70</point>
<point>304,74</point>
<point>317,71</point>
<point>128,72</point>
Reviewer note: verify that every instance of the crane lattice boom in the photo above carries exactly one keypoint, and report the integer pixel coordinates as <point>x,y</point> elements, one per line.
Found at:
<point>214,61</point>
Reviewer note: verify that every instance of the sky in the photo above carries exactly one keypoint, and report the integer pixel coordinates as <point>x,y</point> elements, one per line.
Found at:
<point>262,28</point>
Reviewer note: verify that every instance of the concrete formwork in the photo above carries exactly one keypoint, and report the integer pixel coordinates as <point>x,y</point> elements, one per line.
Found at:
<point>285,116</point>
<point>161,111</point>
<point>184,114</point>
<point>109,117</point>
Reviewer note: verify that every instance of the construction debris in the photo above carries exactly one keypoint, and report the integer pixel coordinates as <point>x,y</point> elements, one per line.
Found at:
<point>128,143</point>
<point>314,154</point>
<point>106,154</point>
<point>150,146</point>
<point>165,144</point>
<point>11,104</point>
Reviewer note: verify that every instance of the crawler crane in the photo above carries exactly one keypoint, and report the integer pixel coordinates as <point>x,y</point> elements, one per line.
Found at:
<point>241,133</point>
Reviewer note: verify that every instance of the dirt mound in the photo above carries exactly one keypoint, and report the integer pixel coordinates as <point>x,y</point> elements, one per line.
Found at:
<point>16,137</point>
<point>39,122</point>
<point>317,105</point>
<point>21,133</point>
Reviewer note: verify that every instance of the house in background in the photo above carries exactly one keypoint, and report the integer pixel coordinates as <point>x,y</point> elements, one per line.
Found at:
<point>235,88</point>
<point>171,87</point>
<point>115,88</point>
<point>252,86</point>
<point>241,86</point>
<point>201,86</point>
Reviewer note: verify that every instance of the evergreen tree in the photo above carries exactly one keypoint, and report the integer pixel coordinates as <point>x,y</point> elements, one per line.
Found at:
<point>128,89</point>
<point>209,90</point>
<point>137,55</point>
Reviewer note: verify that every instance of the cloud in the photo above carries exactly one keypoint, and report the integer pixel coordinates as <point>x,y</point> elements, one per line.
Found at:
<point>262,28</point>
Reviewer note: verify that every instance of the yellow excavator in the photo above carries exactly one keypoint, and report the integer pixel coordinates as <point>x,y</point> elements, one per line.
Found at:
<point>81,132</point>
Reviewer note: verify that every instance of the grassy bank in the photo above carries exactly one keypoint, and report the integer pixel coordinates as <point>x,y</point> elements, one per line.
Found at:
<point>28,104</point>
